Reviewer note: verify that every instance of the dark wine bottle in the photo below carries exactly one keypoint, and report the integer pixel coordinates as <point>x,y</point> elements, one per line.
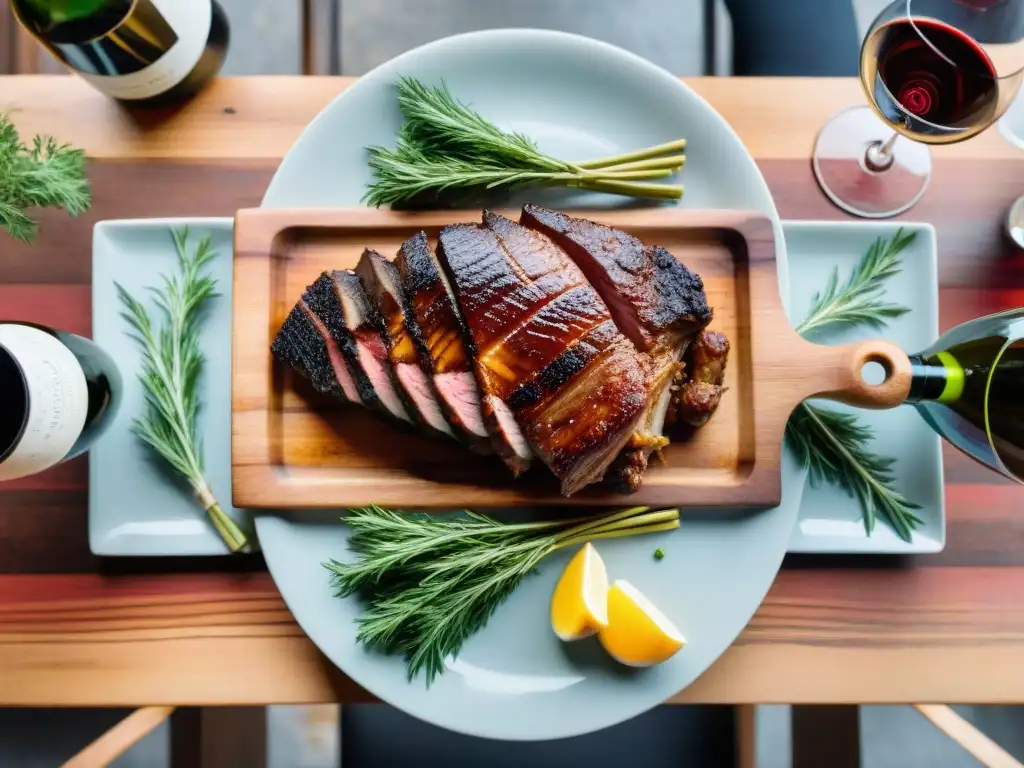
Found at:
<point>145,53</point>
<point>969,386</point>
<point>58,393</point>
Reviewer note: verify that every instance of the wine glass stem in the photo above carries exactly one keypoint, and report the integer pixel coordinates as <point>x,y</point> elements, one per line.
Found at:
<point>878,156</point>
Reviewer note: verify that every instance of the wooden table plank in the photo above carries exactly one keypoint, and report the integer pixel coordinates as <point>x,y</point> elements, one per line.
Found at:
<point>80,630</point>
<point>872,635</point>
<point>250,117</point>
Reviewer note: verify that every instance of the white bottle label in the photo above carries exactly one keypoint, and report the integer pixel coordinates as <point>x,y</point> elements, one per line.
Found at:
<point>156,45</point>
<point>58,400</point>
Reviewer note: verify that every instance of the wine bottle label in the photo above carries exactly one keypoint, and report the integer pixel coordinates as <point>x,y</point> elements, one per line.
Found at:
<point>58,400</point>
<point>152,49</point>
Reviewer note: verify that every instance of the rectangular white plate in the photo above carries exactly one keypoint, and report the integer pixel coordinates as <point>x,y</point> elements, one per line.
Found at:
<point>136,507</point>
<point>830,521</point>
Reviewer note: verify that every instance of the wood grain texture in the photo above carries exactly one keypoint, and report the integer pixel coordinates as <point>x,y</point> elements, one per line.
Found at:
<point>289,451</point>
<point>75,629</point>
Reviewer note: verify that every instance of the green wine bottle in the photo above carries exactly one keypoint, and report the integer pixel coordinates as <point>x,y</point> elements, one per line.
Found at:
<point>142,52</point>
<point>969,386</point>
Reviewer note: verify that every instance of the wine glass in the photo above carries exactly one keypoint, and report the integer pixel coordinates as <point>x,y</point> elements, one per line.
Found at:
<point>934,72</point>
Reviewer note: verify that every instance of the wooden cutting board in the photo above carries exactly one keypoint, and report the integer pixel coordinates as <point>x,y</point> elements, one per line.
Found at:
<point>293,447</point>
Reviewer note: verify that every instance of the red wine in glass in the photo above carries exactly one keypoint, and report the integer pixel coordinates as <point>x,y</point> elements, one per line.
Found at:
<point>934,72</point>
<point>931,81</point>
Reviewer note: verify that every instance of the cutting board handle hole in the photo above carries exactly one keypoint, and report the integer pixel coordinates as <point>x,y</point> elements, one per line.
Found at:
<point>875,372</point>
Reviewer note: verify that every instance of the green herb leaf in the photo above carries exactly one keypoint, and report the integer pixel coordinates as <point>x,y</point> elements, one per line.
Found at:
<point>445,145</point>
<point>432,582</point>
<point>46,175</point>
<point>859,301</point>
<point>835,447</point>
<point>172,362</point>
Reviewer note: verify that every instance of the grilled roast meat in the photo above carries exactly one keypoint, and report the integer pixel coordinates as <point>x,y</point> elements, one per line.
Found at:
<point>383,286</point>
<point>555,337</point>
<point>652,297</point>
<point>444,355</point>
<point>656,301</point>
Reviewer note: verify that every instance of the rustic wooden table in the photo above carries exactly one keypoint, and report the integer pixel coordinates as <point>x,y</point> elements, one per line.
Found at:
<point>80,630</point>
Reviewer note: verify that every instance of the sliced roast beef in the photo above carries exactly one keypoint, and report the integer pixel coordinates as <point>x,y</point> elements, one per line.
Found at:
<point>359,319</point>
<point>651,295</point>
<point>399,330</point>
<point>305,344</point>
<point>554,337</point>
<point>459,249</point>
<point>545,349</point>
<point>441,333</point>
<point>315,341</point>
<point>655,300</point>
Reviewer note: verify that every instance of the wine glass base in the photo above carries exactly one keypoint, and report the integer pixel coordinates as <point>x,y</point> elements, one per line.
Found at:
<point>841,170</point>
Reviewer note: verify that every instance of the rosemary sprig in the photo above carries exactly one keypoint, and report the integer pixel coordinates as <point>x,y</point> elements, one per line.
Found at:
<point>835,447</point>
<point>444,145</point>
<point>859,301</point>
<point>172,363</point>
<point>431,582</point>
<point>46,175</point>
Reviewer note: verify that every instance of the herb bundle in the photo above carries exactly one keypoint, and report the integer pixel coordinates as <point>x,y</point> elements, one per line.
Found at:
<point>444,145</point>
<point>835,447</point>
<point>46,175</point>
<point>172,362</point>
<point>433,582</point>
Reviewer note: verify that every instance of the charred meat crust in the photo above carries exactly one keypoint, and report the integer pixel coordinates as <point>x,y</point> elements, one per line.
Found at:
<point>322,299</point>
<point>438,333</point>
<point>398,328</point>
<point>651,295</point>
<point>477,271</point>
<point>576,385</point>
<point>361,320</point>
<point>299,345</point>
<point>626,473</point>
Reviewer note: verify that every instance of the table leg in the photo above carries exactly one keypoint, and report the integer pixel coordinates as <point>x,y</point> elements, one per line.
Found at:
<point>826,736</point>
<point>219,737</point>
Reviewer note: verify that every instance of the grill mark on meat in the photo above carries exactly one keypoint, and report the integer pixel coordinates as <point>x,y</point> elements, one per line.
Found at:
<point>443,353</point>
<point>575,418</point>
<point>564,367</point>
<point>651,295</point>
<point>655,300</point>
<point>398,331</point>
<point>585,423</point>
<point>544,335</point>
<point>471,260</point>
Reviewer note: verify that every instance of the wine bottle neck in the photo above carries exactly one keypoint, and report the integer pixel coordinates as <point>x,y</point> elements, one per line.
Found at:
<point>938,378</point>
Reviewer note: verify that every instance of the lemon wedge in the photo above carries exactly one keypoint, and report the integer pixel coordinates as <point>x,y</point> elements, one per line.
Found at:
<point>637,633</point>
<point>579,605</point>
